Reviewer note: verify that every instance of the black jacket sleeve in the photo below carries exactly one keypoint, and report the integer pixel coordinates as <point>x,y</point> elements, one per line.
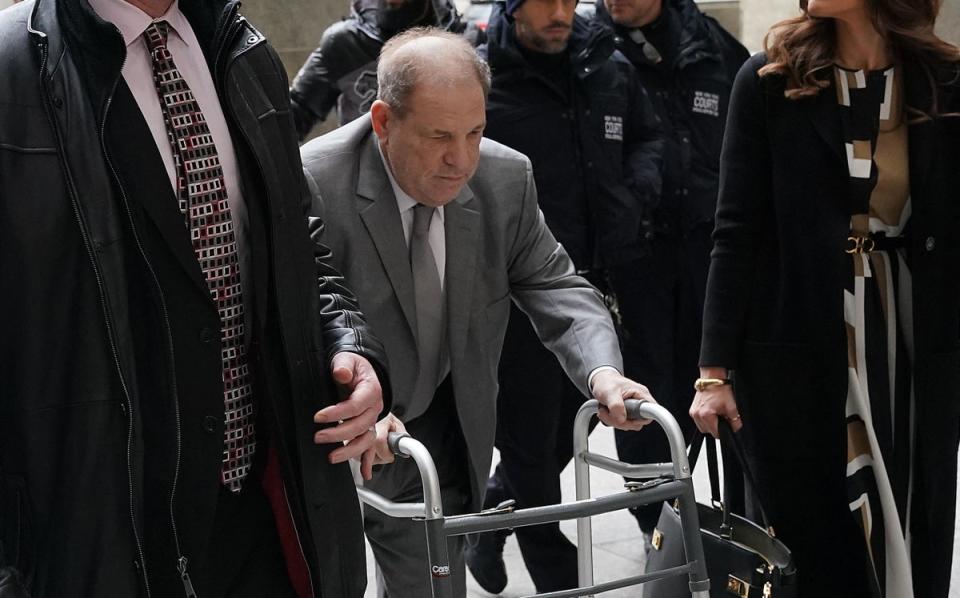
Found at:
<point>745,195</point>
<point>341,325</point>
<point>314,91</point>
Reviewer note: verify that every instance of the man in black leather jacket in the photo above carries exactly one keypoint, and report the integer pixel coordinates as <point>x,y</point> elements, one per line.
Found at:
<point>566,98</point>
<point>342,71</point>
<point>687,63</point>
<point>112,379</point>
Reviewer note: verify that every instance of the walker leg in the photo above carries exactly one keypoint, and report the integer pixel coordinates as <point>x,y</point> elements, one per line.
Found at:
<point>693,543</point>
<point>439,559</point>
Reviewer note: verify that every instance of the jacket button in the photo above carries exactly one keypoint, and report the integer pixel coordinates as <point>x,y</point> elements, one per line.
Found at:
<point>589,164</point>
<point>207,334</point>
<point>210,424</point>
<point>930,243</point>
<point>587,112</point>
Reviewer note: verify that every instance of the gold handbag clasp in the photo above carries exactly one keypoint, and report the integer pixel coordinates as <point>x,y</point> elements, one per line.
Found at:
<point>657,540</point>
<point>738,587</point>
<point>860,244</point>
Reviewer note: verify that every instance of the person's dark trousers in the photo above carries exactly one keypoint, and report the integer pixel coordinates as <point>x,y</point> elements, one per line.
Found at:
<point>661,304</point>
<point>535,412</point>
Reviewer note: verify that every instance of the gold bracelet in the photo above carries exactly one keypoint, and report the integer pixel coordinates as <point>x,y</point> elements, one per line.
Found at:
<point>703,384</point>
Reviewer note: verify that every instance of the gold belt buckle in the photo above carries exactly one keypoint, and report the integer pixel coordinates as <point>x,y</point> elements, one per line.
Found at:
<point>860,244</point>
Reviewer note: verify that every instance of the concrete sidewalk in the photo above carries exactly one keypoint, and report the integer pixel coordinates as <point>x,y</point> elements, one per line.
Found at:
<point>617,544</point>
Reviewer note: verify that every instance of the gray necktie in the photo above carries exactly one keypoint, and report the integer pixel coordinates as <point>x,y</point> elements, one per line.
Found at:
<point>429,304</point>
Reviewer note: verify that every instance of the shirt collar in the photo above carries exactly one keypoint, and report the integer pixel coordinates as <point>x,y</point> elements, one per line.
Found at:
<point>132,22</point>
<point>404,201</point>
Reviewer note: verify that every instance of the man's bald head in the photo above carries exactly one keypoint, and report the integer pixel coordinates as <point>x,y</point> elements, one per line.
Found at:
<point>431,55</point>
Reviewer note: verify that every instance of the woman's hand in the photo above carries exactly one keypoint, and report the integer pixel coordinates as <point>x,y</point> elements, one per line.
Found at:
<point>713,403</point>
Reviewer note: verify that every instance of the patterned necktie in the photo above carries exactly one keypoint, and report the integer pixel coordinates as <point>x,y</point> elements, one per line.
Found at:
<point>202,197</point>
<point>429,303</point>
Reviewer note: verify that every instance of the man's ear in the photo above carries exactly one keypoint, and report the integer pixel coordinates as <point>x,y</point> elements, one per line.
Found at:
<point>381,117</point>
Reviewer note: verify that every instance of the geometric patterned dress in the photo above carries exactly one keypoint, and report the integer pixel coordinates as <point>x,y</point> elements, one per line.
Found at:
<point>878,315</point>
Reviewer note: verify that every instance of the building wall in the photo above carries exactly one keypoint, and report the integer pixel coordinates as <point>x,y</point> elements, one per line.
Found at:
<point>295,30</point>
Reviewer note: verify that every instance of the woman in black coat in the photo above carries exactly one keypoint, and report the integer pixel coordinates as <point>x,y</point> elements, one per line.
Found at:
<point>834,299</point>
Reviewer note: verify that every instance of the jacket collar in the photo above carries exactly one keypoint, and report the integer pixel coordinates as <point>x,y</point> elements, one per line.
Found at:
<point>696,44</point>
<point>98,45</point>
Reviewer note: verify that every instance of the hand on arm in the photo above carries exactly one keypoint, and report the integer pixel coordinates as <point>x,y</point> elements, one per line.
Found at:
<point>356,414</point>
<point>715,402</point>
<point>610,388</point>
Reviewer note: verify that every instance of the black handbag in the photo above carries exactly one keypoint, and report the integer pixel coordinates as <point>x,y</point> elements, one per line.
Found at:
<point>743,559</point>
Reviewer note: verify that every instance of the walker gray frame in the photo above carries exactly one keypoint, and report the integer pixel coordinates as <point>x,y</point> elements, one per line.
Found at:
<point>679,488</point>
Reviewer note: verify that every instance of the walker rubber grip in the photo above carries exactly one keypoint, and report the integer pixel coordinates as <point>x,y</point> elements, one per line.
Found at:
<point>633,408</point>
<point>393,441</point>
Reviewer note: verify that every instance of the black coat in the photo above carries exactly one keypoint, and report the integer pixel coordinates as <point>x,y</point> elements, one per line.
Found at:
<point>602,142</point>
<point>342,71</point>
<point>79,299</point>
<point>774,307</point>
<point>690,92</point>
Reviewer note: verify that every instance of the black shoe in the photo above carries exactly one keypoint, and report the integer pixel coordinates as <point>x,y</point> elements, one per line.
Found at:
<point>485,560</point>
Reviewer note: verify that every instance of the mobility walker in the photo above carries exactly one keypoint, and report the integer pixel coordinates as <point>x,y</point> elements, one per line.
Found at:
<point>665,482</point>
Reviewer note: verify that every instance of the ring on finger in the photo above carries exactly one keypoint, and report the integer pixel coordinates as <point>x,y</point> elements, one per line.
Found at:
<point>735,418</point>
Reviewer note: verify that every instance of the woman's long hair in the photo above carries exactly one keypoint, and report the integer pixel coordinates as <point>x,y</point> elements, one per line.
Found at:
<point>803,49</point>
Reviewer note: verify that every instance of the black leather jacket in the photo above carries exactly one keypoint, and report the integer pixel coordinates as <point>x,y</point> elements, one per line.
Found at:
<point>71,423</point>
<point>342,71</point>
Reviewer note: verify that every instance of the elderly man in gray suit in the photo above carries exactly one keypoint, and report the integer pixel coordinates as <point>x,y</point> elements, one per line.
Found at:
<point>438,229</point>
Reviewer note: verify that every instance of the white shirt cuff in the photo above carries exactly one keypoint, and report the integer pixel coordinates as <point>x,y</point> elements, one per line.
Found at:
<point>597,371</point>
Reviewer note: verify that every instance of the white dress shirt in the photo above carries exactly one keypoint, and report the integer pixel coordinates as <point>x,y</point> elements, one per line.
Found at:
<point>192,64</point>
<point>436,236</point>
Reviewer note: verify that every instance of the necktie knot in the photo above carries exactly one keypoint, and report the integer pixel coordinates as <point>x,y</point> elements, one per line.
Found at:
<point>422,215</point>
<point>156,35</point>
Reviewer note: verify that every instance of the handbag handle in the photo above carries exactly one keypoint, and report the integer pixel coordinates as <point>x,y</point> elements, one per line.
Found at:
<point>728,441</point>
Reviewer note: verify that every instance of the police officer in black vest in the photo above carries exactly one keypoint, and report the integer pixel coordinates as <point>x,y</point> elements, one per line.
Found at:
<point>687,62</point>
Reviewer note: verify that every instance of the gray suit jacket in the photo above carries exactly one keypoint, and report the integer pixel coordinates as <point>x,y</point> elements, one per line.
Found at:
<point>498,248</point>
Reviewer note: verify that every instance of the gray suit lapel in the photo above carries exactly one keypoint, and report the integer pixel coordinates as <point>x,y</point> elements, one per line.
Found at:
<point>462,228</point>
<point>379,213</point>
